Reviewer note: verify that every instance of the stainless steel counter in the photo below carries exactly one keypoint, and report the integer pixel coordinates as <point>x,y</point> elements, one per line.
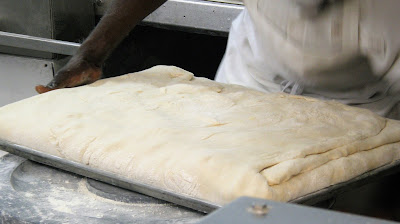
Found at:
<point>33,193</point>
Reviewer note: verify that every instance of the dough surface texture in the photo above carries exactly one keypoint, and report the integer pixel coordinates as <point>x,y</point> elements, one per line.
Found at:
<point>213,141</point>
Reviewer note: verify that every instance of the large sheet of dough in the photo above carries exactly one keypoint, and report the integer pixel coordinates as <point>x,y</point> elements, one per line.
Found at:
<point>213,141</point>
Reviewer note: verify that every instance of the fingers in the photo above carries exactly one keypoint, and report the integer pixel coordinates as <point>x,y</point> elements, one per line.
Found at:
<point>71,79</point>
<point>54,84</point>
<point>42,89</point>
<point>57,83</point>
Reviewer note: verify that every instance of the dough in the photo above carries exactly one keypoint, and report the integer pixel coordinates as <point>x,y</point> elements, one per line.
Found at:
<point>213,141</point>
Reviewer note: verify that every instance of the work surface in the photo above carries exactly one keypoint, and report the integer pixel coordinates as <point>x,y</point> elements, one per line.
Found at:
<point>208,140</point>
<point>33,193</point>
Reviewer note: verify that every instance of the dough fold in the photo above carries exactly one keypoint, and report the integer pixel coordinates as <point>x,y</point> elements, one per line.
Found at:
<point>209,140</point>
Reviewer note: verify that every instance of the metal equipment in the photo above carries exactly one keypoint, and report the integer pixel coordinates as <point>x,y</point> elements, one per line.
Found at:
<point>210,17</point>
<point>68,20</point>
<point>73,167</point>
<point>257,211</point>
<point>33,193</point>
<point>38,43</point>
<point>18,75</point>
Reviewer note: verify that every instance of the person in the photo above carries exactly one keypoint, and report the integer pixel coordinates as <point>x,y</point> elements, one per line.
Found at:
<point>85,66</point>
<point>346,50</point>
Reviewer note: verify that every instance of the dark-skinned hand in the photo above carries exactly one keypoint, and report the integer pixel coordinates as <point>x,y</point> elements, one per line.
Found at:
<point>77,72</point>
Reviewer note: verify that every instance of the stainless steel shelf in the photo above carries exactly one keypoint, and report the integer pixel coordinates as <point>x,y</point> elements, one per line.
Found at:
<point>38,43</point>
<point>196,15</point>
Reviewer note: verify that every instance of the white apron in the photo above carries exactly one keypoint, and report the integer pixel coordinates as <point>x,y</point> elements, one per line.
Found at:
<point>347,51</point>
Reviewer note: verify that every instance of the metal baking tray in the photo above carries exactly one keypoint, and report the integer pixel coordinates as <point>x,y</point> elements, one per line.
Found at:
<point>180,199</point>
<point>107,177</point>
<point>356,182</point>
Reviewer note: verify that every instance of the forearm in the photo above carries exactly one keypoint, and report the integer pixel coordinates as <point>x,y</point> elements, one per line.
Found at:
<point>120,18</point>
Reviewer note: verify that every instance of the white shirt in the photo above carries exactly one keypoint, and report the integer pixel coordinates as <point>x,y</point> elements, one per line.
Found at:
<point>347,51</point>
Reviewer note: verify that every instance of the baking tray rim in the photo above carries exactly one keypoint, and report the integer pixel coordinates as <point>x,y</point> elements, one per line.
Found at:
<point>107,177</point>
<point>181,199</point>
